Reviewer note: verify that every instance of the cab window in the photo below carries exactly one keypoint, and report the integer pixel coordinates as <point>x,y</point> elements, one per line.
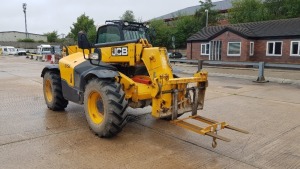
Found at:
<point>132,33</point>
<point>108,34</point>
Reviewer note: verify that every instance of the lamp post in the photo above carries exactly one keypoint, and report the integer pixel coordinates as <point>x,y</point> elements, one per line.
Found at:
<point>24,10</point>
<point>206,10</point>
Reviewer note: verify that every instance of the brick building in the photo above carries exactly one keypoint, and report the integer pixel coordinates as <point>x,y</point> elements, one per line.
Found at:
<point>270,41</point>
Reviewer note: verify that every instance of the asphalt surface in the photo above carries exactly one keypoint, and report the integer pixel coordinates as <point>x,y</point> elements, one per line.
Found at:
<point>31,136</point>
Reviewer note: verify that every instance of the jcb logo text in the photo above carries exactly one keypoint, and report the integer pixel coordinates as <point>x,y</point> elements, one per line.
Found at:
<point>119,51</point>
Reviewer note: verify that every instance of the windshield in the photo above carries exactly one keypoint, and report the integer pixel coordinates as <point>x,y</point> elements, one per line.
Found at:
<point>131,33</point>
<point>117,32</point>
<point>46,49</point>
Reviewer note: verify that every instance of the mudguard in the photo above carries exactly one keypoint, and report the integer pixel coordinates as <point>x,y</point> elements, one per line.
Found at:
<point>53,67</point>
<point>101,74</point>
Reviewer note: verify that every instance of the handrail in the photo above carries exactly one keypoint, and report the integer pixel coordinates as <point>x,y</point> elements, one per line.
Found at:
<point>260,65</point>
<point>254,64</point>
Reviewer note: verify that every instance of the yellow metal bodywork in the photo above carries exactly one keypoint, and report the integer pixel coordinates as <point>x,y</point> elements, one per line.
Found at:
<point>109,58</point>
<point>75,49</point>
<point>163,82</point>
<point>133,90</point>
<point>161,89</point>
<point>67,65</point>
<point>158,67</point>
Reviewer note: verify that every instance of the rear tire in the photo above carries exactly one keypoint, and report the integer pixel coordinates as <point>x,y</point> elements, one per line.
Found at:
<point>105,107</point>
<point>53,92</point>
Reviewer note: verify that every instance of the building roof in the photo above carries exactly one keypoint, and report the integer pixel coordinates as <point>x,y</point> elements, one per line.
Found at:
<point>21,32</point>
<point>252,30</point>
<point>219,6</point>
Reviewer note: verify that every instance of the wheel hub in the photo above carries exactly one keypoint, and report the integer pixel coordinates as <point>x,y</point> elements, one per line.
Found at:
<point>96,107</point>
<point>48,91</point>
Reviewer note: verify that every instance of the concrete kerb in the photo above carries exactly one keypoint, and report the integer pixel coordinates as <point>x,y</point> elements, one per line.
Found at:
<point>252,78</point>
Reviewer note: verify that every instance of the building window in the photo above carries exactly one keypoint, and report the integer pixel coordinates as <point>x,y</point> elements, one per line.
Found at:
<point>251,48</point>
<point>295,48</point>
<point>274,48</point>
<point>234,49</point>
<point>205,49</point>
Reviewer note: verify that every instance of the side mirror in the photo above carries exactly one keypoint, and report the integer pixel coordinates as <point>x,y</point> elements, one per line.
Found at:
<point>83,42</point>
<point>96,55</point>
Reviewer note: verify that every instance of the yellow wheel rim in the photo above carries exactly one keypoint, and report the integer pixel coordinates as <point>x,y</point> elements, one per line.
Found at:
<point>95,107</point>
<point>48,91</point>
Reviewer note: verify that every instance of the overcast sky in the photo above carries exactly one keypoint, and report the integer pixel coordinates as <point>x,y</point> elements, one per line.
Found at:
<point>48,15</point>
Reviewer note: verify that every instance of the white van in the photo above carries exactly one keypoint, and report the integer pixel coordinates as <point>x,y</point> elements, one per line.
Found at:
<point>44,52</point>
<point>43,49</point>
<point>8,50</point>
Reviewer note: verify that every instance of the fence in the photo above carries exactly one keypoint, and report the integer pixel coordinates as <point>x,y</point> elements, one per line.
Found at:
<point>261,65</point>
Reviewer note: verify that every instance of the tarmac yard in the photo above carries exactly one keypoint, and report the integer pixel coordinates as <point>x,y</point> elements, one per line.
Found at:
<point>31,136</point>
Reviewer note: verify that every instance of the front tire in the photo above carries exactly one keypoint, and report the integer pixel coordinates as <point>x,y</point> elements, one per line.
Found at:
<point>105,107</point>
<point>53,92</point>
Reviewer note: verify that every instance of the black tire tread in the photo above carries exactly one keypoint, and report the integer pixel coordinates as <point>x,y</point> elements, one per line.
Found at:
<point>116,113</point>
<point>59,102</point>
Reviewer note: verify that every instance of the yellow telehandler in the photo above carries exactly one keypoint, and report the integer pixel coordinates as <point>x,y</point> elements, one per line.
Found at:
<point>123,69</point>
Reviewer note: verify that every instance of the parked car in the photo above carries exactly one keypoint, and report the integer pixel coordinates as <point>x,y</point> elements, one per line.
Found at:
<point>8,50</point>
<point>21,52</point>
<point>175,55</point>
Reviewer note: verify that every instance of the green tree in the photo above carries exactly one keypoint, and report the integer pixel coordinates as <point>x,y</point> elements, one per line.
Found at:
<point>259,10</point>
<point>281,9</point>
<point>128,16</point>
<point>292,8</point>
<point>275,9</point>
<point>184,27</point>
<point>247,11</point>
<point>52,36</point>
<point>163,33</point>
<point>213,15</point>
<point>84,23</point>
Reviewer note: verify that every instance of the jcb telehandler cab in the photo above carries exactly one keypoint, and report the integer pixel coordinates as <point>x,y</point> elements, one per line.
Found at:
<point>123,69</point>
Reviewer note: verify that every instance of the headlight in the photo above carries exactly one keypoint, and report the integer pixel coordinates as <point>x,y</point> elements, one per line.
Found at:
<point>94,56</point>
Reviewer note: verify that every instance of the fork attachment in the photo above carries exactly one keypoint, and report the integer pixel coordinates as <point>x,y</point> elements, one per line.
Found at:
<point>210,130</point>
